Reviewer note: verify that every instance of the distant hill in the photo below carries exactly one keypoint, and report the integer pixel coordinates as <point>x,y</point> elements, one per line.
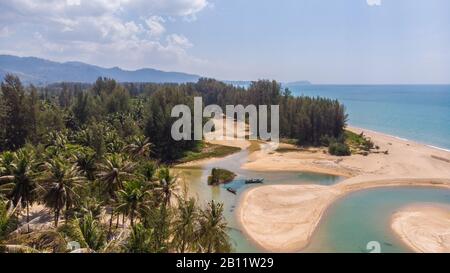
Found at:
<point>297,83</point>
<point>41,72</point>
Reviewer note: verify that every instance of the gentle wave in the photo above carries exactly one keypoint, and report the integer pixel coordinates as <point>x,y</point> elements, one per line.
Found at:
<point>439,148</point>
<point>401,138</point>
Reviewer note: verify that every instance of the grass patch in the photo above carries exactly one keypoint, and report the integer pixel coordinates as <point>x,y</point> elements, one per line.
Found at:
<point>220,176</point>
<point>344,145</point>
<point>207,150</point>
<point>289,141</point>
<point>358,142</point>
<point>287,149</point>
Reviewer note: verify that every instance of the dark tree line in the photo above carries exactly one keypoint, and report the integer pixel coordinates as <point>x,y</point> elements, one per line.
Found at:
<point>90,151</point>
<point>81,151</point>
<point>306,119</point>
<point>29,114</point>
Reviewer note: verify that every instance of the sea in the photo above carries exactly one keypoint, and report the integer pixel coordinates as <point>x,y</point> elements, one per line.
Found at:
<point>419,113</point>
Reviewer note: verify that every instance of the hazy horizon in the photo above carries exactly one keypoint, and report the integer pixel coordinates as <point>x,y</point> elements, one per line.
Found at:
<point>337,42</point>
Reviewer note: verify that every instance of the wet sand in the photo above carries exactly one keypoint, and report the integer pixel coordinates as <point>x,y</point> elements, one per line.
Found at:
<point>282,218</point>
<point>424,227</point>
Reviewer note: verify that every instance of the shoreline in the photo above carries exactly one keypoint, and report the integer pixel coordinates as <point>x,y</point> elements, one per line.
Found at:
<point>324,215</point>
<point>410,164</point>
<point>302,240</point>
<point>319,161</point>
<point>399,138</point>
<point>245,144</point>
<point>423,227</point>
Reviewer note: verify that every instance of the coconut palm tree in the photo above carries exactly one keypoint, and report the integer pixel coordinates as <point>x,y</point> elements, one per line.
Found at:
<point>212,233</point>
<point>6,186</point>
<point>139,147</point>
<point>113,171</point>
<point>167,185</point>
<point>21,184</point>
<point>8,220</point>
<point>63,180</point>
<point>185,225</point>
<point>134,200</point>
<point>92,231</point>
<point>113,143</point>
<point>58,140</point>
<point>82,137</point>
<point>87,231</point>
<point>89,205</point>
<point>159,221</point>
<point>141,240</point>
<point>2,168</point>
<point>147,170</point>
<point>56,144</point>
<point>86,162</point>
<point>6,161</point>
<point>6,166</point>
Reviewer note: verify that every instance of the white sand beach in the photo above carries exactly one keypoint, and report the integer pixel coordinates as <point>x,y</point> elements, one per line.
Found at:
<point>282,218</point>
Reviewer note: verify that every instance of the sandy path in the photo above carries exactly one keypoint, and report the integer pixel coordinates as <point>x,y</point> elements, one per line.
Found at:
<point>424,227</point>
<point>282,218</point>
<point>218,137</point>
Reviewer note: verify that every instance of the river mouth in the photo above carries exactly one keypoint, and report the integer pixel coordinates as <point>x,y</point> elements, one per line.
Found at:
<point>195,180</point>
<point>361,217</point>
<point>348,225</point>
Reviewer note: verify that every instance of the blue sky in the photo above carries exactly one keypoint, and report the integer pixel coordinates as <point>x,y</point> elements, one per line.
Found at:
<point>323,41</point>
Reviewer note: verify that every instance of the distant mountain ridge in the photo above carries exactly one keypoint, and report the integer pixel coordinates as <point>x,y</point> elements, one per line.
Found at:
<point>246,84</point>
<point>41,72</point>
<point>297,83</point>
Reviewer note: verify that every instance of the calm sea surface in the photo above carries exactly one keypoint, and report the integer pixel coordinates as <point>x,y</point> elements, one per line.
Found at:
<point>416,112</point>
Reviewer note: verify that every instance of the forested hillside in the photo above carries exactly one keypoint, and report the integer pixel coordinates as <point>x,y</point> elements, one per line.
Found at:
<point>95,156</point>
<point>43,72</point>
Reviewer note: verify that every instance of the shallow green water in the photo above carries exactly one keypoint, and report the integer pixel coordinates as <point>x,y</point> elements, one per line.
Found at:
<point>365,216</point>
<point>195,180</point>
<point>348,225</point>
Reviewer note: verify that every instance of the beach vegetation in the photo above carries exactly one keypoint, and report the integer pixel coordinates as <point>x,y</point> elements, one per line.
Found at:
<point>220,176</point>
<point>8,220</point>
<point>339,149</point>
<point>358,141</point>
<point>213,236</point>
<point>206,150</point>
<point>97,157</point>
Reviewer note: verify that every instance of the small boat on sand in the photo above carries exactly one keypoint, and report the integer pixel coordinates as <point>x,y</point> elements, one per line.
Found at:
<point>233,191</point>
<point>254,181</point>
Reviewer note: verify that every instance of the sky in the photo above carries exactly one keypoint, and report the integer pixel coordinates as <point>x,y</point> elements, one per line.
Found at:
<point>322,41</point>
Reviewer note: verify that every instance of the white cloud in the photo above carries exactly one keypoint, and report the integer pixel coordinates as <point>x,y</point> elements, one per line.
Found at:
<point>176,40</point>
<point>128,33</point>
<point>155,25</point>
<point>74,8</point>
<point>168,7</point>
<point>374,2</point>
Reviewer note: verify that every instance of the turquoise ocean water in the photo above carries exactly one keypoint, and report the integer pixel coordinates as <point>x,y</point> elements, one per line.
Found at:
<point>415,112</point>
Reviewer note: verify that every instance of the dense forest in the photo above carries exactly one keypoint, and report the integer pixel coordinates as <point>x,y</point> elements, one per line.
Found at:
<point>97,155</point>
